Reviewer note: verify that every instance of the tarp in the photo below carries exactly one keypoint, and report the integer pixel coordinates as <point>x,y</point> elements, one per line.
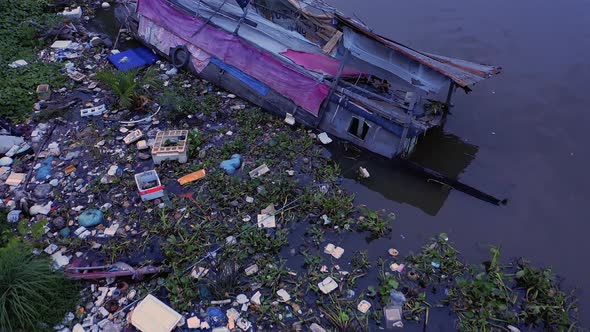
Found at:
<point>163,40</point>
<point>320,63</point>
<point>305,91</point>
<point>133,58</point>
<point>253,83</point>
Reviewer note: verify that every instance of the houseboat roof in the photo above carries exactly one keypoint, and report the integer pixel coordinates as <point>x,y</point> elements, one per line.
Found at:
<point>463,73</point>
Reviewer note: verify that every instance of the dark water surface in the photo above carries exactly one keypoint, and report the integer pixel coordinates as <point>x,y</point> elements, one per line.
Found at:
<point>520,135</point>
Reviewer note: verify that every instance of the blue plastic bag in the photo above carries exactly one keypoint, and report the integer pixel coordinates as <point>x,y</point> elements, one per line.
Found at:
<point>45,170</point>
<point>230,166</point>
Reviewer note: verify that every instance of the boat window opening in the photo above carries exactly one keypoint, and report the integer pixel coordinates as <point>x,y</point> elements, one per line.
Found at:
<point>373,84</point>
<point>379,84</point>
<point>355,125</point>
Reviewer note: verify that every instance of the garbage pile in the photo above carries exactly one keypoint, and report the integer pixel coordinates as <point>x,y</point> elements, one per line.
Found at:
<point>96,184</point>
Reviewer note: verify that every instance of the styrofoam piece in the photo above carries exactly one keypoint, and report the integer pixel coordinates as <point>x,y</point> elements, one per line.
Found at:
<point>267,221</point>
<point>43,92</point>
<point>324,138</point>
<point>4,169</point>
<point>18,64</point>
<point>364,173</point>
<point>364,306</point>
<point>61,44</point>
<point>333,250</point>
<point>75,13</point>
<point>14,179</point>
<point>153,315</point>
<point>327,285</point>
<point>149,185</point>
<point>76,76</point>
<point>289,119</point>
<point>133,136</point>
<point>259,171</point>
<point>170,145</point>
<point>93,111</point>
<point>192,177</point>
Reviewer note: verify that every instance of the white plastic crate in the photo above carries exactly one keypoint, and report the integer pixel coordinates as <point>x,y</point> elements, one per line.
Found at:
<point>149,185</point>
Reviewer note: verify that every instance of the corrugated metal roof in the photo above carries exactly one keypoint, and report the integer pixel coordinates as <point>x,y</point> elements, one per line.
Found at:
<point>463,73</point>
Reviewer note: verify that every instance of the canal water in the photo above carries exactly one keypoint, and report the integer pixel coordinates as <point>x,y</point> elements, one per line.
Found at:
<point>521,135</point>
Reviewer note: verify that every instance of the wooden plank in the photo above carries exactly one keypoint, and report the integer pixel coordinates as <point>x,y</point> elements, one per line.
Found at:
<point>331,44</point>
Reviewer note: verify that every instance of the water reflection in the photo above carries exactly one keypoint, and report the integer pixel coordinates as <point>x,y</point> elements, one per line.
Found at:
<point>109,21</point>
<point>442,152</point>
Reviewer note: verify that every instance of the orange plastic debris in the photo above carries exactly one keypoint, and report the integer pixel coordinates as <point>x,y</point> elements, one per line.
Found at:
<point>69,169</point>
<point>192,177</point>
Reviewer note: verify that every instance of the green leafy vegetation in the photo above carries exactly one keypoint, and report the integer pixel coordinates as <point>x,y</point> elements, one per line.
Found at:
<point>343,316</point>
<point>492,295</point>
<point>127,85</point>
<point>5,231</point>
<point>19,39</point>
<point>182,290</point>
<point>38,229</point>
<point>122,83</point>
<point>543,303</point>
<point>387,282</point>
<point>195,139</point>
<point>32,297</point>
<point>373,222</point>
<point>437,262</point>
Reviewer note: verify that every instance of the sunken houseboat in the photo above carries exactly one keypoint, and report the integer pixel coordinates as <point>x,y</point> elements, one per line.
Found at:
<point>305,61</point>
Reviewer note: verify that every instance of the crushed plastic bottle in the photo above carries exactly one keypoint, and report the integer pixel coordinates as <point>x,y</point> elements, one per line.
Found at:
<point>396,298</point>
<point>216,317</point>
<point>350,294</point>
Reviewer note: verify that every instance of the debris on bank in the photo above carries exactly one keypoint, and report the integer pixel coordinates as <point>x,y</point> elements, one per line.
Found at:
<point>172,201</point>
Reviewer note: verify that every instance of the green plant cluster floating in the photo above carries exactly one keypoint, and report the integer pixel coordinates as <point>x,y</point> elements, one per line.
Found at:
<point>485,297</point>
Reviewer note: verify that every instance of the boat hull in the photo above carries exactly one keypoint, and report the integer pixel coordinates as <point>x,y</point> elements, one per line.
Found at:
<point>283,89</point>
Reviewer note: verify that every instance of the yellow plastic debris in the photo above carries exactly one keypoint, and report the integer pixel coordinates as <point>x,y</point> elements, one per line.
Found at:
<point>69,169</point>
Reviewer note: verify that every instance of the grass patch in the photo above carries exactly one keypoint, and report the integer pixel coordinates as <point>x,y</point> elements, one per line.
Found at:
<point>32,297</point>
<point>19,40</point>
<point>5,230</point>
